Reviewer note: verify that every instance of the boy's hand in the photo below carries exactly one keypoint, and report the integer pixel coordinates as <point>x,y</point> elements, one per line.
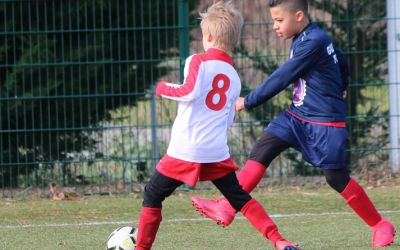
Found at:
<point>239,104</point>
<point>160,87</point>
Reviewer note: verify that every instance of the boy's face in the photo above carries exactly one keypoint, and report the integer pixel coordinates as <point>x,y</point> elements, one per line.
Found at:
<point>286,23</point>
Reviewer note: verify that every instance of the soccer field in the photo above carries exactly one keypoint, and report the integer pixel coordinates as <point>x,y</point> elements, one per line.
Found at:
<point>315,218</point>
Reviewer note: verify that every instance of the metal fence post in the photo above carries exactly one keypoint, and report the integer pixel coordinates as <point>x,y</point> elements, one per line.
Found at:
<point>393,38</point>
<point>183,19</point>
<point>154,125</point>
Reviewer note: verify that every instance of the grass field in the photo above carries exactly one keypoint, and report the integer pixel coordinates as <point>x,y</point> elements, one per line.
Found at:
<point>316,218</point>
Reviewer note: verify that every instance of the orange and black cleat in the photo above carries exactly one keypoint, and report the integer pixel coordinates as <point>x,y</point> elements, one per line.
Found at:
<point>286,245</point>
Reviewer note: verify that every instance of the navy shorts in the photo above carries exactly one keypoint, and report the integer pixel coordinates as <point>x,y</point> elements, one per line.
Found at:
<point>322,146</point>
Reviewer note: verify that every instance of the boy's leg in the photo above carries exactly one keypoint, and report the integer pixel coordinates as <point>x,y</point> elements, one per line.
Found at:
<point>221,207</point>
<point>383,231</point>
<point>158,188</point>
<point>251,209</point>
<point>264,151</point>
<point>149,221</point>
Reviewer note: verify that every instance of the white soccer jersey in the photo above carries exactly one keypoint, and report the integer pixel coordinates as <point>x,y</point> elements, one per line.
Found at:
<point>206,107</point>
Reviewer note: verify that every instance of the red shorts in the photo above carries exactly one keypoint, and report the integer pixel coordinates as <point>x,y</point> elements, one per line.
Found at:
<point>191,172</point>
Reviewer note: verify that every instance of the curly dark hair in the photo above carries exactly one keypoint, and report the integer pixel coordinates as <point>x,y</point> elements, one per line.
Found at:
<point>292,5</point>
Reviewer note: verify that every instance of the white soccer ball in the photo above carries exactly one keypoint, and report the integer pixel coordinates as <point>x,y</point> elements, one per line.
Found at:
<point>123,238</point>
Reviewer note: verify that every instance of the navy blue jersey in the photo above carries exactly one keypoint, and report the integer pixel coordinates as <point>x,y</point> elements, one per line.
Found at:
<point>319,75</point>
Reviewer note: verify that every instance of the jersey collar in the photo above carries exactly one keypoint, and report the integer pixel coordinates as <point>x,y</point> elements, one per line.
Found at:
<point>220,55</point>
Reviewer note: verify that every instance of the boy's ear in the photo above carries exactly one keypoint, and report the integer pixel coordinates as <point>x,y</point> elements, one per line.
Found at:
<point>299,15</point>
<point>209,38</point>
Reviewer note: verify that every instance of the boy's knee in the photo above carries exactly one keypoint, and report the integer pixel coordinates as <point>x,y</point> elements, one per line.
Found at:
<point>337,178</point>
<point>152,198</point>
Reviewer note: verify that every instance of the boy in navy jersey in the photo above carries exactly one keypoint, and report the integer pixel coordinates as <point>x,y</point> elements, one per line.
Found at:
<point>198,148</point>
<point>315,122</point>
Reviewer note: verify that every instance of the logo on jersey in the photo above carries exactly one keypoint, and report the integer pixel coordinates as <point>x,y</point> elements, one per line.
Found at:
<point>331,51</point>
<point>299,92</point>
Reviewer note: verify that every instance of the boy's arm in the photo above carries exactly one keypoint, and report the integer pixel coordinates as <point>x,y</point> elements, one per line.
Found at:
<point>182,92</point>
<point>287,73</point>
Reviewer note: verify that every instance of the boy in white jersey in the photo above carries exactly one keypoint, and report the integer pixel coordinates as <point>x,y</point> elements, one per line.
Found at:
<point>198,148</point>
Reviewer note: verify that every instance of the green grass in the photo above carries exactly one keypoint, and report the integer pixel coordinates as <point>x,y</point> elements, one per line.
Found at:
<point>70,224</point>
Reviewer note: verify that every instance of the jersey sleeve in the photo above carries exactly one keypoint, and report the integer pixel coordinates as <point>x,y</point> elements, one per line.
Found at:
<point>344,68</point>
<point>231,117</point>
<point>187,91</point>
<point>232,111</point>
<point>303,58</point>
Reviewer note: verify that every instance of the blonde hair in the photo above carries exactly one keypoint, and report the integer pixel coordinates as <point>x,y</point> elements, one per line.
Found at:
<point>224,23</point>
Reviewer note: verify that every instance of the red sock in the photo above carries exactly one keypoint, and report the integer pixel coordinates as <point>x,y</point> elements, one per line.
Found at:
<point>251,175</point>
<point>149,221</point>
<point>259,218</point>
<point>358,200</point>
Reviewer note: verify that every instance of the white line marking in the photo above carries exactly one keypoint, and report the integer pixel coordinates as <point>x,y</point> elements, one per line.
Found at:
<point>96,223</point>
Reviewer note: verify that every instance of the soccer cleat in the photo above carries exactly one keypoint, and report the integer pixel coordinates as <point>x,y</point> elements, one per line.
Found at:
<point>218,210</point>
<point>383,233</point>
<point>286,245</point>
